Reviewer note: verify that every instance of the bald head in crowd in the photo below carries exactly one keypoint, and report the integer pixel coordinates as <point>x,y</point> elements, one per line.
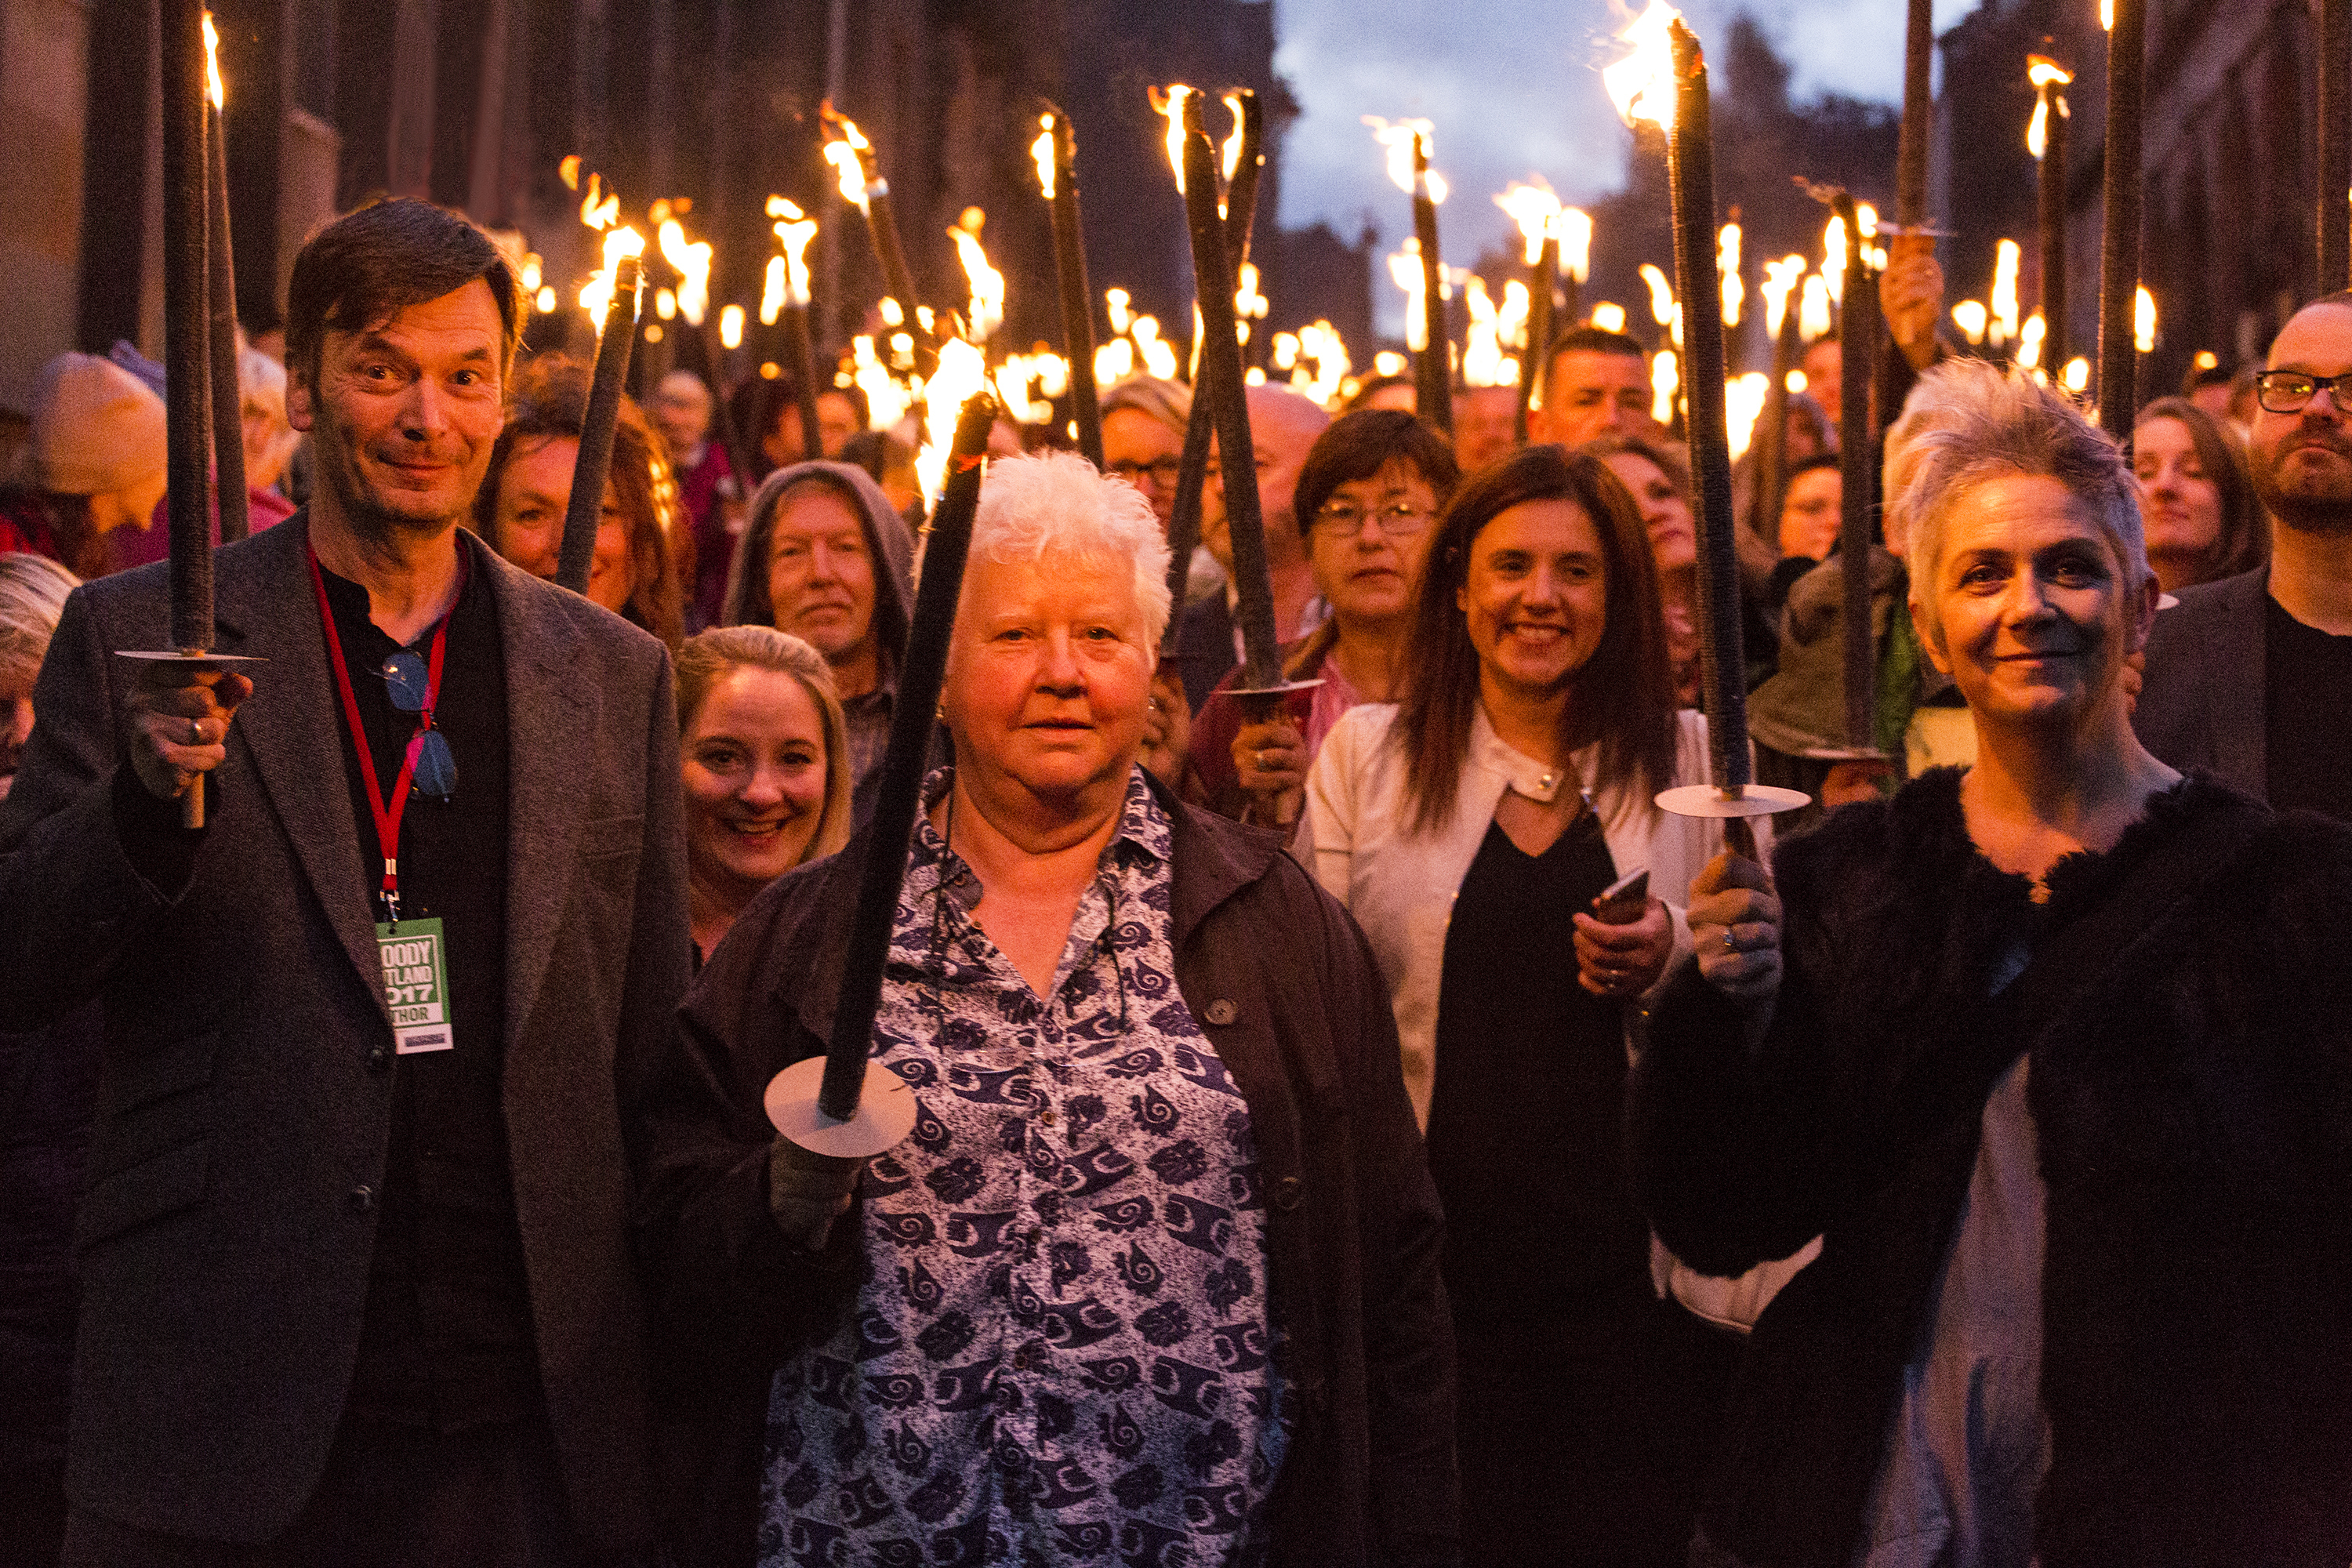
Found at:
<point>1283,427</point>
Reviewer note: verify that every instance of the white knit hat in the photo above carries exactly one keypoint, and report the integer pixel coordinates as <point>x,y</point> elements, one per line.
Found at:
<point>95,428</point>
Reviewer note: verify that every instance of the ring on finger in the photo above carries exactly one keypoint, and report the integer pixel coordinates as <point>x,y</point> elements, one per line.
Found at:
<point>195,731</point>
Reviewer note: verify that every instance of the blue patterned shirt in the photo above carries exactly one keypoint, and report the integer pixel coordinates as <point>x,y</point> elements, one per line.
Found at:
<point>1060,1351</point>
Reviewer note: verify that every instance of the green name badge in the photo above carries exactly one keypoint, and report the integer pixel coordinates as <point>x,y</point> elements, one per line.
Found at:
<point>415,985</point>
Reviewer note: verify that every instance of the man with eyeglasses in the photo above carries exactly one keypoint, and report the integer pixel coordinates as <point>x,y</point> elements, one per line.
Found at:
<point>2251,678</point>
<point>354,1245</point>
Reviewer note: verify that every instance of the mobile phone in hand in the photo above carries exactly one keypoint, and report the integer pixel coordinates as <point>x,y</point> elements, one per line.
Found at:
<point>1622,902</point>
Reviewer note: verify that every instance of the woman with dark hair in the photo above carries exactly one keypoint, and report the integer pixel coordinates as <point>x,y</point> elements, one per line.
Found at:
<point>1368,499</point>
<point>1471,828</point>
<point>2052,1052</point>
<point>2204,522</point>
<point>1656,473</point>
<point>637,571</point>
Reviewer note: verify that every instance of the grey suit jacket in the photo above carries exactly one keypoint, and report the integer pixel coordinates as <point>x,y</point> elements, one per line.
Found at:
<point>2204,702</point>
<point>225,1232</point>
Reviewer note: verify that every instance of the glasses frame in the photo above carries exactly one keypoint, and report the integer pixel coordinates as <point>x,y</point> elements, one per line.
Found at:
<point>2337,387</point>
<point>1333,512</point>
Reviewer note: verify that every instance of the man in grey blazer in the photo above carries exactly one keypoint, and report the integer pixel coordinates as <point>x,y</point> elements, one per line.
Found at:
<point>2248,677</point>
<point>353,1251</point>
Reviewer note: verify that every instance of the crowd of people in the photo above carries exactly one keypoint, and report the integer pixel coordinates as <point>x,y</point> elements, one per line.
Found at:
<point>1355,1124</point>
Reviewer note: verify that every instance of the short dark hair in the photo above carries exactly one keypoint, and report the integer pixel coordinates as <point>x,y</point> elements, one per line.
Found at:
<point>367,267</point>
<point>1372,386</point>
<point>1359,446</point>
<point>1625,696</point>
<point>1798,469</point>
<point>1584,338</point>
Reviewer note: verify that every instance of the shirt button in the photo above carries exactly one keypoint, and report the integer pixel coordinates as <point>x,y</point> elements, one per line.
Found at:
<point>1048,1117</point>
<point>362,1199</point>
<point>1288,1193</point>
<point>1222,1011</point>
<point>379,1058</point>
<point>1021,1361</point>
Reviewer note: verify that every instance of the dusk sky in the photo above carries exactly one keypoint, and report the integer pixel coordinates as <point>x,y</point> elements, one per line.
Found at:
<point>1513,87</point>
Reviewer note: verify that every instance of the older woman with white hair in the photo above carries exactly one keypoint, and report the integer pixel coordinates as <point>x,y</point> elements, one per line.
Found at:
<point>2055,1053</point>
<point>1156,1271</point>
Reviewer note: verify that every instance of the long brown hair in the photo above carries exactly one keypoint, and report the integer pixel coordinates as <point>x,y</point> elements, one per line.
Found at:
<point>2245,538</point>
<point>1623,699</point>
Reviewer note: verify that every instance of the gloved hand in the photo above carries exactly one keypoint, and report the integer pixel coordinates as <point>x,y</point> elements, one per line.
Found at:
<point>808,1191</point>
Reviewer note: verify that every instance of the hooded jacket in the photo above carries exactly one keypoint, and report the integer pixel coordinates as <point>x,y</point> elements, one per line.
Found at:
<point>888,541</point>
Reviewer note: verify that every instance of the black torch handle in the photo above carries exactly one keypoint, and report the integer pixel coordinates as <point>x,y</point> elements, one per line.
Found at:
<point>1433,387</point>
<point>1241,196</point>
<point>2334,106</point>
<point>804,351</point>
<point>188,370</point>
<point>1691,172</point>
<point>898,791</point>
<point>722,407</point>
<point>1221,384</point>
<point>1078,309</point>
<point>1539,300</point>
<point>1854,481</point>
<point>1184,510</point>
<point>2051,193</point>
<point>228,405</point>
<point>2119,242</point>
<point>1918,107</point>
<point>882,222</point>
<point>586,504</point>
<point>1773,436</point>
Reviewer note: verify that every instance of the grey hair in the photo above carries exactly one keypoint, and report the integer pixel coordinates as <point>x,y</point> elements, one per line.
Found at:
<point>1169,402</point>
<point>1975,425</point>
<point>1056,506</point>
<point>707,658</point>
<point>33,590</point>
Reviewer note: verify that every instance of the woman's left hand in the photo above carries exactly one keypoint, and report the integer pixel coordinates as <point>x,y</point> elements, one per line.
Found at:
<point>1622,962</point>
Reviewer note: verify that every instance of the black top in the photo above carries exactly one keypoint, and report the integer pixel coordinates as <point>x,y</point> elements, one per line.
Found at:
<point>1525,1120</point>
<point>2308,732</point>
<point>446,1339</point>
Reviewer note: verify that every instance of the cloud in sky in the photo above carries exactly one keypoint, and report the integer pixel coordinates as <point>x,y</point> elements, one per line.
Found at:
<point>1513,87</point>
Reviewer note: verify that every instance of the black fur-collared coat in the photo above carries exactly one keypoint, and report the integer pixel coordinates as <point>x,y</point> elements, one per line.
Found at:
<point>2191,1092</point>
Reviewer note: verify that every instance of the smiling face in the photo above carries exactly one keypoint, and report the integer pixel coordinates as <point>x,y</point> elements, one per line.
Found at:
<point>2029,612</point>
<point>1535,597</point>
<point>534,489</point>
<point>1674,537</point>
<point>753,767</point>
<point>821,574</point>
<point>404,413</point>
<point>1370,568</point>
<point>2180,506</point>
<point>2301,463</point>
<point>1048,679</point>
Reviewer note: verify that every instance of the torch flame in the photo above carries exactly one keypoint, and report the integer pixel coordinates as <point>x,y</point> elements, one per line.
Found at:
<point>2144,321</point>
<point>1399,138</point>
<point>1833,272</point>
<point>1662,293</point>
<point>2029,341</point>
<point>1813,309</point>
<point>1642,85</point>
<point>1041,150</point>
<point>730,327</point>
<point>1230,153</point>
<point>692,261</point>
<point>771,291</point>
<point>1575,230</point>
<point>793,229</point>
<point>598,294</point>
<point>1115,303</point>
<point>1171,104</point>
<point>1535,209</point>
<point>841,153</point>
<point>2043,71</point>
<point>1781,280</point>
<point>1666,378</point>
<point>2007,256</point>
<point>2108,15</point>
<point>1726,262</point>
<point>1609,316</point>
<point>599,210</point>
<point>962,372</point>
<point>212,63</point>
<point>1482,349</point>
<point>1971,316</point>
<point>1249,303</point>
<point>987,284</point>
<point>569,170</point>
<point>1743,405</point>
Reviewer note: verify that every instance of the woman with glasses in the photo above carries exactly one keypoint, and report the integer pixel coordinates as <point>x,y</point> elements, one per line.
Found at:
<point>1471,826</point>
<point>1368,498</point>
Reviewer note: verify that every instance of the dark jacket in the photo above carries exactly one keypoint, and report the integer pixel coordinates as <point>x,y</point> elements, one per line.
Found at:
<point>1279,976</point>
<point>2191,1092</point>
<point>246,1098</point>
<point>2205,702</point>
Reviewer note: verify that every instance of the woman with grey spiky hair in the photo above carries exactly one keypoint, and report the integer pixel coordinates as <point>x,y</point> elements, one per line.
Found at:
<point>1156,1273</point>
<point>2053,1053</point>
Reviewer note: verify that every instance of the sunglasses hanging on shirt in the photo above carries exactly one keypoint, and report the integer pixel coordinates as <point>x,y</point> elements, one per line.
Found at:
<point>409,684</point>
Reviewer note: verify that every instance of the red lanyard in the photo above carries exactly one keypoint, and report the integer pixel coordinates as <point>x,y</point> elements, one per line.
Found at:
<point>387,818</point>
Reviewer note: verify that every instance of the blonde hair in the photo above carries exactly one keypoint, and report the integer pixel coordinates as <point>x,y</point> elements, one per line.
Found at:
<point>1968,424</point>
<point>33,590</point>
<point>1055,504</point>
<point>707,658</point>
